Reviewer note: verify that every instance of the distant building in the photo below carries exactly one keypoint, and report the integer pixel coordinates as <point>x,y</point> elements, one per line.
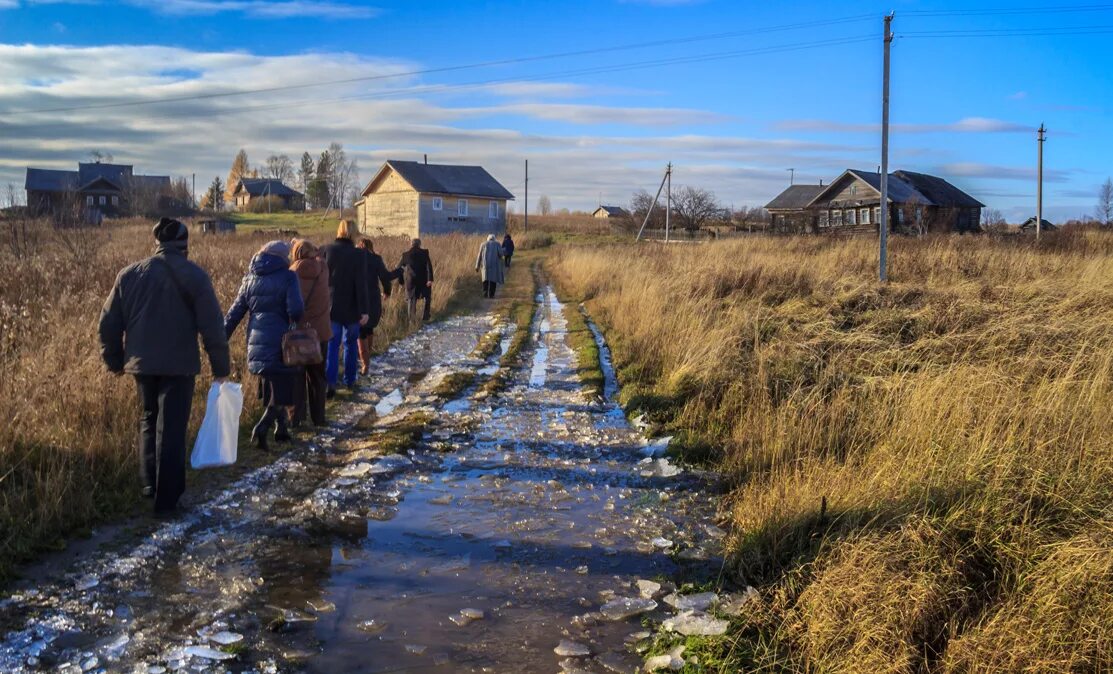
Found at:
<point>604,212</point>
<point>251,189</point>
<point>1029,225</point>
<point>96,190</point>
<point>918,203</point>
<point>408,198</point>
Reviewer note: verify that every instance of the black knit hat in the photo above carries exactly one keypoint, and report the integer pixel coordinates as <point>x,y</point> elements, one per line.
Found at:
<point>169,230</point>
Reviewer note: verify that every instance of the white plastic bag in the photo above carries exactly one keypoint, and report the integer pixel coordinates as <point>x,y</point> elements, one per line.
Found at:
<point>220,429</point>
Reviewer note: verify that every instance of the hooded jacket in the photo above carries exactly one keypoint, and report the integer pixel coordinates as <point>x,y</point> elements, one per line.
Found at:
<point>151,319</point>
<point>313,275</point>
<point>271,298</point>
<point>347,269</point>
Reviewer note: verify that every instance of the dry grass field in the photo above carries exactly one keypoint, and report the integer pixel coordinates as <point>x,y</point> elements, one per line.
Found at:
<point>67,447</point>
<point>922,473</point>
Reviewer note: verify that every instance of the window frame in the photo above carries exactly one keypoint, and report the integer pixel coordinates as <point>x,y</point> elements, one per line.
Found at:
<point>438,203</point>
<point>89,201</point>
<point>103,201</point>
<point>462,208</point>
<point>864,216</point>
<point>492,210</point>
<point>115,200</point>
<point>851,216</point>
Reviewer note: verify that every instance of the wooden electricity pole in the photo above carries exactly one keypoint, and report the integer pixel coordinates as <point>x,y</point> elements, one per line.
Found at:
<point>883,258</point>
<point>668,200</point>
<point>1039,181</point>
<point>525,208</point>
<point>666,177</point>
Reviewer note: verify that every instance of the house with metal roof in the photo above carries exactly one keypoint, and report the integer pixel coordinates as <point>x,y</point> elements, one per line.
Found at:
<point>917,203</point>
<point>251,191</point>
<point>98,190</point>
<point>409,198</point>
<point>607,212</point>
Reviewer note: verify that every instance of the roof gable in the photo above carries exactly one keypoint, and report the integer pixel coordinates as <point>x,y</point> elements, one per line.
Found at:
<point>264,187</point>
<point>472,181</point>
<point>899,191</point>
<point>50,180</point>
<point>938,191</point>
<point>616,211</point>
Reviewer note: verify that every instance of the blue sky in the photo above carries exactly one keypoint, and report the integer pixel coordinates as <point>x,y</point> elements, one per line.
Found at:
<point>730,117</point>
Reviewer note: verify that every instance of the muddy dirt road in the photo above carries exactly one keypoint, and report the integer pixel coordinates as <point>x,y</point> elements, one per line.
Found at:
<point>511,539</point>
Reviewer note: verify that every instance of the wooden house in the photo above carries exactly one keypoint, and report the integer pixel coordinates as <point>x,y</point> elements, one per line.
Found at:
<point>412,199</point>
<point>607,212</point>
<point>789,211</point>
<point>249,190</point>
<point>917,203</point>
<point>96,190</point>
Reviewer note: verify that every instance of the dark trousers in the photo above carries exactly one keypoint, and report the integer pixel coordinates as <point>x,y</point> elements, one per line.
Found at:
<point>164,404</point>
<point>489,288</point>
<point>311,387</point>
<point>508,260</point>
<point>425,293</point>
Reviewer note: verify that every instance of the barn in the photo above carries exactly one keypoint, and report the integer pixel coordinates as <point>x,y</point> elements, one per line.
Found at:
<point>412,199</point>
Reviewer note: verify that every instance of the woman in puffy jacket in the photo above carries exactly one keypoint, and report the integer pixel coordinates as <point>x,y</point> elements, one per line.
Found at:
<point>271,298</point>
<point>377,276</point>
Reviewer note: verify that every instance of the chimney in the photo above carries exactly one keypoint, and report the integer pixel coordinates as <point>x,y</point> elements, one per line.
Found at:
<point>426,158</point>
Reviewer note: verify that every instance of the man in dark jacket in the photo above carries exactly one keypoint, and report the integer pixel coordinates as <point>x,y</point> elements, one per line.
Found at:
<point>149,329</point>
<point>416,270</point>
<point>347,272</point>
<point>507,248</point>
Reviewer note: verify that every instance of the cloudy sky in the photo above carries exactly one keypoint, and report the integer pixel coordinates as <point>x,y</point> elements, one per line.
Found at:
<point>597,94</point>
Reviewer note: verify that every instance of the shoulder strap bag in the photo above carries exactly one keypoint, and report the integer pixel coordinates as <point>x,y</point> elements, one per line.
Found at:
<point>300,346</point>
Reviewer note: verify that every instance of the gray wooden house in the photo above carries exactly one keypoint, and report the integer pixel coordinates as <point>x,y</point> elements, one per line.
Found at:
<point>408,198</point>
<point>608,212</point>
<point>253,189</point>
<point>97,190</point>
<point>918,203</point>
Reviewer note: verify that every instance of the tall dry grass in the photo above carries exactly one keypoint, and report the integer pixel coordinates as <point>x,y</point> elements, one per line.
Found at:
<point>67,447</point>
<point>923,472</point>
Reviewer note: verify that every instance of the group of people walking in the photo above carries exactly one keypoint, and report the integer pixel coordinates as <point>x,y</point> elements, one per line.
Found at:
<point>158,307</point>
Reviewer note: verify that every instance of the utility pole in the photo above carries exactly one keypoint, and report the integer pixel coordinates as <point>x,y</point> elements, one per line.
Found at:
<point>883,259</point>
<point>525,209</point>
<point>1039,186</point>
<point>668,200</point>
<point>194,196</point>
<point>653,205</point>
<point>791,176</point>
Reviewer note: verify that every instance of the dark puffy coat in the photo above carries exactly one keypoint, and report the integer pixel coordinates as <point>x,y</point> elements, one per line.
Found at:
<point>415,270</point>
<point>507,246</point>
<point>271,297</point>
<point>377,275</point>
<point>150,326</point>
<point>347,273</point>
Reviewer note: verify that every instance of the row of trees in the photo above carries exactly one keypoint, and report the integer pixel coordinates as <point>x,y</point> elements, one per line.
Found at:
<point>332,179</point>
<point>692,209</point>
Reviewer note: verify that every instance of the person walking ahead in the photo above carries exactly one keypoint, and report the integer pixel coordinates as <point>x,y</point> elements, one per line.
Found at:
<point>271,296</point>
<point>313,274</point>
<point>489,265</point>
<point>416,274</point>
<point>347,273</point>
<point>507,248</point>
<point>377,276</point>
<point>148,329</point>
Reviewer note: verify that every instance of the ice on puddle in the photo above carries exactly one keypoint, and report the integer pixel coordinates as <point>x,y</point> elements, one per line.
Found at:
<point>692,602</point>
<point>390,463</point>
<point>445,499</point>
<point>656,447</point>
<point>87,583</point>
<point>670,660</point>
<point>416,649</point>
<point>207,653</point>
<point>648,588</point>
<point>571,649</point>
<point>466,616</point>
<point>458,564</point>
<point>661,542</point>
<point>658,468</point>
<point>226,638</point>
<point>626,607</point>
<point>372,626</point>
<point>356,469</point>
<point>691,623</point>
<point>389,403</point>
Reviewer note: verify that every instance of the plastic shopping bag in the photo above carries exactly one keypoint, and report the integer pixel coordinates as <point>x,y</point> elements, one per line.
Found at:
<point>220,430</point>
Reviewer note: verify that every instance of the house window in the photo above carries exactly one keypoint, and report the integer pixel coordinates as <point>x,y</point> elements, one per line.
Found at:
<point>823,219</point>
<point>115,200</point>
<point>462,207</point>
<point>877,214</point>
<point>864,214</point>
<point>493,210</point>
<point>438,203</point>
<point>89,201</point>
<point>836,218</point>
<point>850,219</point>
<point>853,190</point>
<point>103,200</point>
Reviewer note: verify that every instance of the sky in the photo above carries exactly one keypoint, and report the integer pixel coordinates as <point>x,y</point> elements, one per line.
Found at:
<point>598,95</point>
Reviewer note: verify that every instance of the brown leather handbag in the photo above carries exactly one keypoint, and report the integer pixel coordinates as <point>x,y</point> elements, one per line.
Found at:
<point>300,346</point>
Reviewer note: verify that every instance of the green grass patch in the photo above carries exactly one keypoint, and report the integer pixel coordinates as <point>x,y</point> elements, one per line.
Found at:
<point>453,384</point>
<point>404,435</point>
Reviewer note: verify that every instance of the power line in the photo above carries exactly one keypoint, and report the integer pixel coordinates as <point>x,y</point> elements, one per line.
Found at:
<point>454,68</point>
<point>1010,32</point>
<point>1009,11</point>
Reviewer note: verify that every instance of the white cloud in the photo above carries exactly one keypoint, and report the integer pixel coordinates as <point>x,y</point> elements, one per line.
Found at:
<point>267,9</point>
<point>965,125</point>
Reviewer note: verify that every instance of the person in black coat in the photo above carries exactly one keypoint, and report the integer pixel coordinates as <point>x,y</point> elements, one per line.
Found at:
<point>415,272</point>
<point>347,278</point>
<point>507,249</point>
<point>271,295</point>
<point>148,329</point>
<point>377,275</point>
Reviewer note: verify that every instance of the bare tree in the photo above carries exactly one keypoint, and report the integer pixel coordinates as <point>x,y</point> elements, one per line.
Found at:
<point>992,219</point>
<point>280,168</point>
<point>640,205</point>
<point>694,207</point>
<point>1104,210</point>
<point>544,206</point>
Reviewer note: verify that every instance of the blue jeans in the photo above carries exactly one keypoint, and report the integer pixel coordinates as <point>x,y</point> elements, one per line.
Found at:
<point>349,334</point>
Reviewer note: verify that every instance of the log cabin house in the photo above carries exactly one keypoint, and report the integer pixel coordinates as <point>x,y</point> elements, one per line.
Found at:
<point>412,199</point>
<point>96,190</point>
<point>918,203</point>
<point>253,189</point>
